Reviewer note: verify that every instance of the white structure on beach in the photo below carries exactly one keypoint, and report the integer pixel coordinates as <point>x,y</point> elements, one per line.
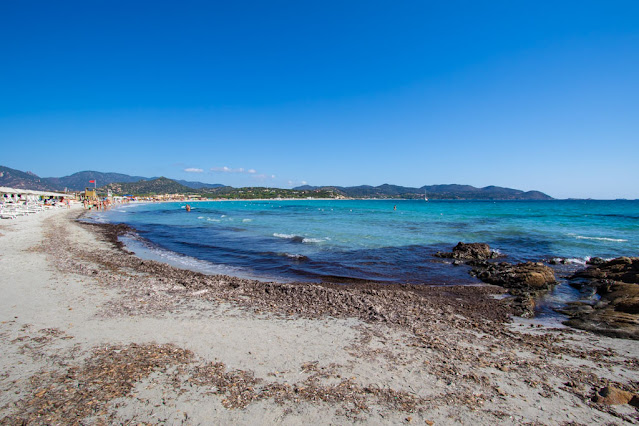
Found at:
<point>19,202</point>
<point>29,194</point>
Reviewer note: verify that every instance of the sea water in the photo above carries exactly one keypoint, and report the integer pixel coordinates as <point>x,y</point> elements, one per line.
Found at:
<point>380,240</point>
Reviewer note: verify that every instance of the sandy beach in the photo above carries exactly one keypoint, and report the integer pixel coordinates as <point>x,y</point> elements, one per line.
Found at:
<point>91,334</point>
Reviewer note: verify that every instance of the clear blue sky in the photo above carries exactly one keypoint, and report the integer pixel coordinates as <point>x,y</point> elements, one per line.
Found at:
<point>525,94</point>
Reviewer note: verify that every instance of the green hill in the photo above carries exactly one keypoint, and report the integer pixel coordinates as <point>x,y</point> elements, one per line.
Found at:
<point>266,193</point>
<point>124,184</point>
<point>434,192</point>
<point>157,186</point>
<point>80,180</point>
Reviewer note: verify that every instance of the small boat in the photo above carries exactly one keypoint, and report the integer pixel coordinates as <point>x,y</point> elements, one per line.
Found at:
<point>425,197</point>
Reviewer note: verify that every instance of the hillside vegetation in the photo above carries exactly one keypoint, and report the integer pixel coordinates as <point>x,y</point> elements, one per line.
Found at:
<point>121,184</point>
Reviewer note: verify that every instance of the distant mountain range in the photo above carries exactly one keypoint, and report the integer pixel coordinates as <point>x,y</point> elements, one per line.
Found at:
<point>78,181</point>
<point>447,192</point>
<point>23,180</point>
<point>125,184</point>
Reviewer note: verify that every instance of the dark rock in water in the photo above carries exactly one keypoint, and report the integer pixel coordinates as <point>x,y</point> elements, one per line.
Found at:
<point>524,277</point>
<point>595,261</point>
<point>625,269</point>
<point>617,312</point>
<point>557,261</point>
<point>524,281</point>
<point>470,251</point>
<point>574,308</point>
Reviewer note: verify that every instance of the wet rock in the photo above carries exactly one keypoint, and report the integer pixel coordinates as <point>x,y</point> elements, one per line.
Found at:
<point>624,269</point>
<point>595,261</point>
<point>623,297</point>
<point>525,277</point>
<point>524,281</point>
<point>470,251</point>
<point>574,308</point>
<point>611,395</point>
<point>606,321</point>
<point>617,312</point>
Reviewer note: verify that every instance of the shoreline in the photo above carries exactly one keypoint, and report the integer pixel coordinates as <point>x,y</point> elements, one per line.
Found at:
<point>117,233</point>
<point>91,332</point>
<point>395,199</point>
<point>544,307</point>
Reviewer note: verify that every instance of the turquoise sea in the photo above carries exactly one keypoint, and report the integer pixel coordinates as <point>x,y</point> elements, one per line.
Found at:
<point>345,240</point>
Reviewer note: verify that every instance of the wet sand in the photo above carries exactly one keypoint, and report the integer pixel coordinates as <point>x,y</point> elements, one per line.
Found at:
<point>92,334</point>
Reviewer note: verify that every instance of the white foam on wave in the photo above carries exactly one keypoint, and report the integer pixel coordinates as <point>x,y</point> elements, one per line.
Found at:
<point>573,261</point>
<point>614,240</point>
<point>582,261</point>
<point>213,220</point>
<point>286,236</point>
<point>295,256</point>
<point>313,240</point>
<point>247,220</point>
<point>298,238</point>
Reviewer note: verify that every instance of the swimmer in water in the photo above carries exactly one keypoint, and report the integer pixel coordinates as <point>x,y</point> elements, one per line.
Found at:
<point>188,208</point>
<point>394,207</point>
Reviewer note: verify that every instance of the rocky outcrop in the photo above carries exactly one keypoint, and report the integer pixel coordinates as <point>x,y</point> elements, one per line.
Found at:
<point>469,251</point>
<point>523,277</point>
<point>624,269</point>
<point>524,281</point>
<point>616,313</point>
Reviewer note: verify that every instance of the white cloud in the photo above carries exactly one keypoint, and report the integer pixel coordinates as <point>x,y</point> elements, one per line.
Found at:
<point>193,170</point>
<point>227,169</point>
<point>304,182</point>
<point>224,169</point>
<point>252,172</point>
<point>290,182</point>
